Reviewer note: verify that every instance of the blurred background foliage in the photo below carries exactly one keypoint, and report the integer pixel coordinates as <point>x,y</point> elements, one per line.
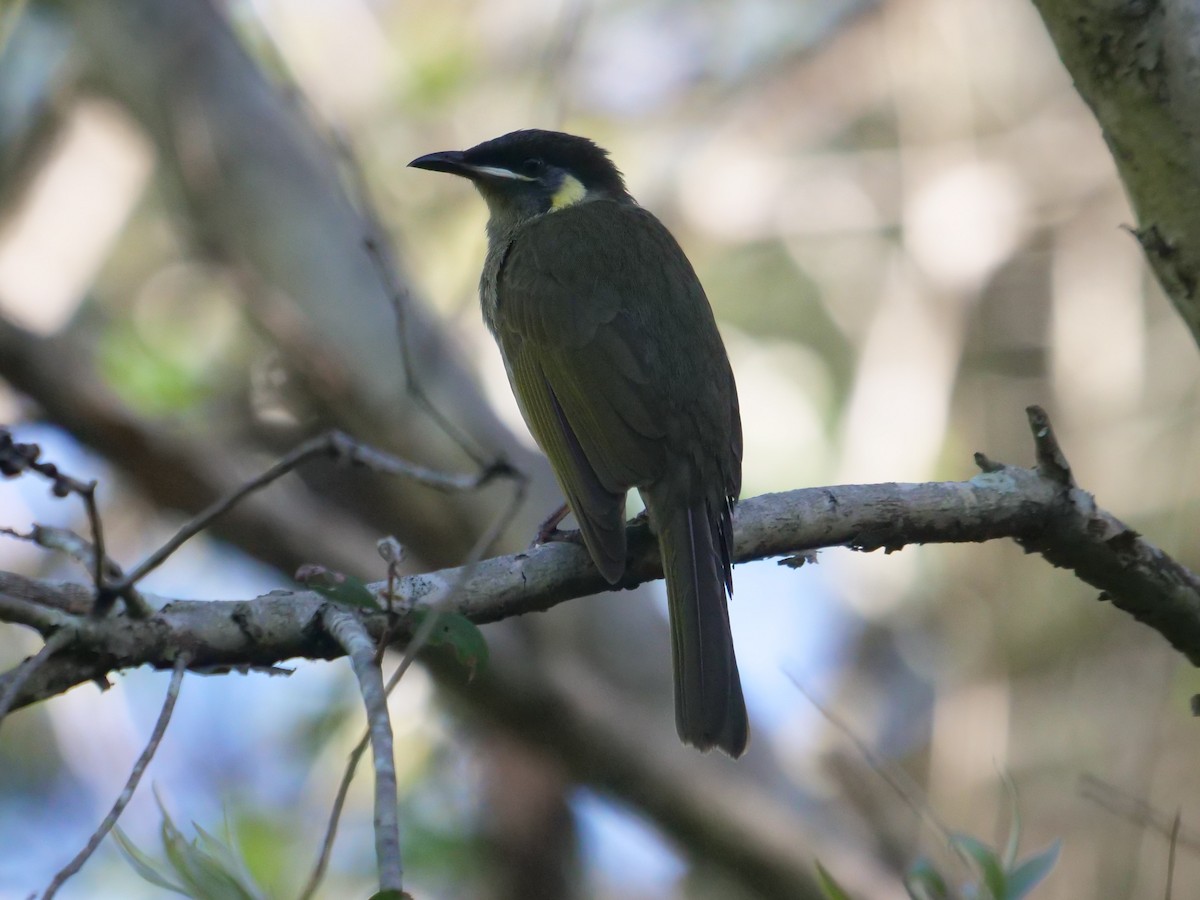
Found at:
<point>910,229</point>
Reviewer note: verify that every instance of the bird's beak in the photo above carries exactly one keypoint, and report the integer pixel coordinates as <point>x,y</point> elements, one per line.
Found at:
<point>454,162</point>
<point>444,161</point>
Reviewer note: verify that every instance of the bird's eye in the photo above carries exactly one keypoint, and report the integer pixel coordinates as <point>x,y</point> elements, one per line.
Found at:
<point>532,167</point>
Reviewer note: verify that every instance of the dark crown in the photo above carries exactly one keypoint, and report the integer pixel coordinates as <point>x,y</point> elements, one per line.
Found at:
<point>576,155</point>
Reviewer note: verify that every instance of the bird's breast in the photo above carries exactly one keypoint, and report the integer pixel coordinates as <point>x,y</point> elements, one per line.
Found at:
<point>489,282</point>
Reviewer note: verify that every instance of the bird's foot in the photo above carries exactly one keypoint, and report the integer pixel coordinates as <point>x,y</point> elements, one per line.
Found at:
<point>548,531</point>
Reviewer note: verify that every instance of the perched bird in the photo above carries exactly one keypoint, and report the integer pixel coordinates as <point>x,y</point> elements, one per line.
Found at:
<point>614,356</point>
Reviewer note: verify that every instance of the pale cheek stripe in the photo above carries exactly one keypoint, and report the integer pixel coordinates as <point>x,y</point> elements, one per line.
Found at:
<point>502,173</point>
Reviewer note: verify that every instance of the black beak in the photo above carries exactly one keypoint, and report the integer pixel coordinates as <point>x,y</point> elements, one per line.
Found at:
<point>445,161</point>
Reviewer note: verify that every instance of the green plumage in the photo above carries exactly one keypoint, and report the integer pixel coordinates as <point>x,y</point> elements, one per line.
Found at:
<point>617,365</point>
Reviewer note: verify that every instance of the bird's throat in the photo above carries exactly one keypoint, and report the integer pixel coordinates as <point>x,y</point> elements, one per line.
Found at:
<point>570,192</point>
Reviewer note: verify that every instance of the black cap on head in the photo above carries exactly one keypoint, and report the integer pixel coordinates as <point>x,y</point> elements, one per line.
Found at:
<point>577,155</point>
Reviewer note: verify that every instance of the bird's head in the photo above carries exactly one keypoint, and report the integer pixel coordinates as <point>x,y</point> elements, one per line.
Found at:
<point>529,173</point>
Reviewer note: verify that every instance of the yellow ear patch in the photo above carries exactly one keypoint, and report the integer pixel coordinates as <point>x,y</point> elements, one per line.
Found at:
<point>571,191</point>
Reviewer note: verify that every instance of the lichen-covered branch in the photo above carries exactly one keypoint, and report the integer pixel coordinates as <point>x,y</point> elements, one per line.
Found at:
<point>1062,523</point>
<point>1135,63</point>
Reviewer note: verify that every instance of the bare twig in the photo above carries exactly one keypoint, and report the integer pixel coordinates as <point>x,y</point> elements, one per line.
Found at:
<point>1171,852</point>
<point>98,565</point>
<point>65,541</point>
<point>344,627</point>
<point>45,619</point>
<point>1135,809</point>
<point>335,815</point>
<point>1051,461</point>
<point>419,639</point>
<point>391,551</point>
<point>21,674</point>
<point>376,241</point>
<point>135,776</point>
<point>98,557</point>
<point>332,444</point>
<point>17,458</point>
<point>895,778</point>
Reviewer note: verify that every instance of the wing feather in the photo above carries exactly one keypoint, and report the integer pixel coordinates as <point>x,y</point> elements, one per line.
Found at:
<point>610,360</point>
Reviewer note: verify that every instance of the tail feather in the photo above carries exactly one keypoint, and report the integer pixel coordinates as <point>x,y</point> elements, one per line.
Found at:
<point>709,708</point>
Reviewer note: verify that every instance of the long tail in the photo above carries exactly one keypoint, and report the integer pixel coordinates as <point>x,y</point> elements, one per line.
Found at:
<point>709,708</point>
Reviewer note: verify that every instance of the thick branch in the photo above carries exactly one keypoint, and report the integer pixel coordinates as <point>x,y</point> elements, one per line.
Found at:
<point>1063,524</point>
<point>1135,64</point>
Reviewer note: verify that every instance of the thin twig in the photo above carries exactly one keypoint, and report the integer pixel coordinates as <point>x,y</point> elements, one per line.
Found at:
<point>375,242</point>
<point>345,628</point>
<point>335,815</point>
<point>419,639</point>
<point>93,559</point>
<point>335,444</point>
<point>135,776</point>
<point>392,553</point>
<point>54,643</point>
<point>44,619</point>
<point>1171,851</point>
<point>1135,809</point>
<point>17,458</point>
<point>1051,461</point>
<point>65,541</point>
<point>98,557</point>
<point>897,780</point>
<point>105,570</point>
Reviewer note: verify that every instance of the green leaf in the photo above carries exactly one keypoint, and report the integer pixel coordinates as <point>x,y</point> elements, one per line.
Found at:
<point>391,895</point>
<point>224,855</point>
<point>143,864</point>
<point>1014,832</point>
<point>1025,877</point>
<point>344,590</point>
<point>204,874</point>
<point>458,633</point>
<point>186,863</point>
<point>985,858</point>
<point>176,847</point>
<point>206,867</point>
<point>829,886</point>
<point>924,882</point>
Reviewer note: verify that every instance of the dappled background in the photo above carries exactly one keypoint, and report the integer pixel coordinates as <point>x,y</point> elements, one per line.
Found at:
<point>909,228</point>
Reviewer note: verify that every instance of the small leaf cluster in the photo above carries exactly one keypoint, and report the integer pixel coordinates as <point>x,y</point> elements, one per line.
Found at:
<point>996,875</point>
<point>451,630</point>
<point>202,868</point>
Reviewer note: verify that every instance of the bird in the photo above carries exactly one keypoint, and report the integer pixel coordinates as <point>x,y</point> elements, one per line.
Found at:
<point>612,350</point>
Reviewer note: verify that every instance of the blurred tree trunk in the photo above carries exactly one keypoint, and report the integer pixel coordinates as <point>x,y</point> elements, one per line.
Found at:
<point>262,195</point>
